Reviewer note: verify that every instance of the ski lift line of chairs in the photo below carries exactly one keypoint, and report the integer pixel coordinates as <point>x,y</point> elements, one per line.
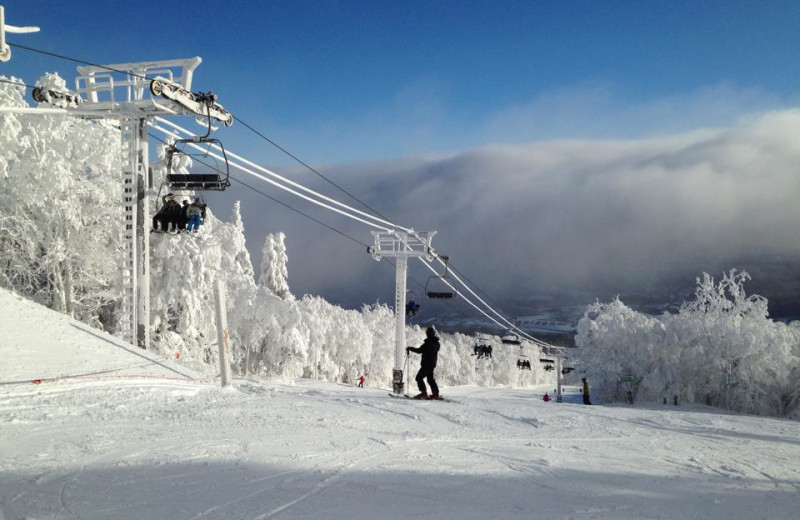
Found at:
<point>218,178</point>
<point>440,287</point>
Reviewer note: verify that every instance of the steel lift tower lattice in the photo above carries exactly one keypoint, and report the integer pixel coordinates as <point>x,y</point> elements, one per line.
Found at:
<point>401,246</point>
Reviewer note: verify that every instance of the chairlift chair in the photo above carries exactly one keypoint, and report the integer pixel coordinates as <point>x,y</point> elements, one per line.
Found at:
<point>216,178</point>
<point>440,287</point>
<point>511,339</point>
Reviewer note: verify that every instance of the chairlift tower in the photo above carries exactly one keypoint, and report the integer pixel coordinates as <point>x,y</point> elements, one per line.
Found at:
<point>401,246</point>
<point>125,91</point>
<point>132,93</point>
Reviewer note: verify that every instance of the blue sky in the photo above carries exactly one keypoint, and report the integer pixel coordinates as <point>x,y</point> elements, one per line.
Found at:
<point>349,80</point>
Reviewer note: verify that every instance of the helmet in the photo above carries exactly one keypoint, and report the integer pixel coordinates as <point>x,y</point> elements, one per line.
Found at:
<point>430,332</point>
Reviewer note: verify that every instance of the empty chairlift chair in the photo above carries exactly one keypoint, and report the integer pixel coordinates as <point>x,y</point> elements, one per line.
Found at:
<point>215,171</point>
<point>441,287</point>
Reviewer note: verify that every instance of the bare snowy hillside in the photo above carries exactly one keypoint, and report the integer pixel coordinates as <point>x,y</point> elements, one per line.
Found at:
<point>132,436</point>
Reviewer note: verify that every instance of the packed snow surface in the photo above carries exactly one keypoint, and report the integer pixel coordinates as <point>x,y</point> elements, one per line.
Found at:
<point>92,428</point>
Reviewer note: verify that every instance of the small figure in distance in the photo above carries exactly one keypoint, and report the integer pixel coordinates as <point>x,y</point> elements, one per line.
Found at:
<point>361,382</point>
<point>586,389</point>
<point>430,355</point>
<point>546,398</point>
<point>194,213</point>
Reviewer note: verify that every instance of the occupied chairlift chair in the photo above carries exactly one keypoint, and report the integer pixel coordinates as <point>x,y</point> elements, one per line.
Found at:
<point>441,287</point>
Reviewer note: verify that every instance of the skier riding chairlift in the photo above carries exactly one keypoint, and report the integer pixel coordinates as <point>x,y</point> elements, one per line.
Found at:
<point>412,306</point>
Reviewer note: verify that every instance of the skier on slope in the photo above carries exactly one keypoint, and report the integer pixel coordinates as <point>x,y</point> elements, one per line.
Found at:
<point>361,382</point>
<point>430,353</point>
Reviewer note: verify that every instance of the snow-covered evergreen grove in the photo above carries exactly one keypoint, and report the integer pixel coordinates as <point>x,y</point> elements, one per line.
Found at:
<point>720,349</point>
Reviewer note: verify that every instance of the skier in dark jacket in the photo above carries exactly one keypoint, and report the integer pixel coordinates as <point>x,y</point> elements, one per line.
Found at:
<point>430,354</point>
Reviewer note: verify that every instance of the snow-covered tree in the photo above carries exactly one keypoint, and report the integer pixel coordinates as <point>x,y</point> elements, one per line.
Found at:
<point>183,271</point>
<point>274,272</point>
<point>60,219</point>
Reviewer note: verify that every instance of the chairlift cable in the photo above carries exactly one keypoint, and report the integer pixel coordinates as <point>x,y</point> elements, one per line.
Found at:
<point>386,225</point>
<point>274,199</point>
<point>76,60</point>
<point>275,183</point>
<point>18,83</point>
<point>287,152</point>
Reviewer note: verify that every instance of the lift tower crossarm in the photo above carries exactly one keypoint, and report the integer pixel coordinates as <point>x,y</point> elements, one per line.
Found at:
<point>402,246</point>
<point>148,88</point>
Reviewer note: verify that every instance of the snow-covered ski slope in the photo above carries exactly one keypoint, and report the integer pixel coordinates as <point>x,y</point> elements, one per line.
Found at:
<point>134,437</point>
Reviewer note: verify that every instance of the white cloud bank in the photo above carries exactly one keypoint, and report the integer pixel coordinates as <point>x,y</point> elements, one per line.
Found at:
<point>563,215</point>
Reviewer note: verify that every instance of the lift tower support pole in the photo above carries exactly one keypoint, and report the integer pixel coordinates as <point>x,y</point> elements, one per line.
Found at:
<point>401,246</point>
<point>135,319</point>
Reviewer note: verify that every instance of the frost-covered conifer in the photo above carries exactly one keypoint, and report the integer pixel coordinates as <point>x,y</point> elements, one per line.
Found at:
<point>274,272</point>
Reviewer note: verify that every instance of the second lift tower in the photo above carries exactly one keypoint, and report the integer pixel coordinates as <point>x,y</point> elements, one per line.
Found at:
<point>402,246</point>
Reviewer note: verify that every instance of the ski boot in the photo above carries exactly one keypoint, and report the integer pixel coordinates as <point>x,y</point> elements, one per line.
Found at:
<point>434,397</point>
<point>423,396</point>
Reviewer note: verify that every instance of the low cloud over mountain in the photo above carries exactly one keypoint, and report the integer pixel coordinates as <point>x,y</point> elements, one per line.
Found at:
<point>563,216</point>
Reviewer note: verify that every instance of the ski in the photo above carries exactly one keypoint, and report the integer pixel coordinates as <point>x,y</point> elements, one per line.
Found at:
<point>441,398</point>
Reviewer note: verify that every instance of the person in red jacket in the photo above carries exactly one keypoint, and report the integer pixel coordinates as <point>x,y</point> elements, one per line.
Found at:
<point>546,398</point>
<point>361,382</point>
